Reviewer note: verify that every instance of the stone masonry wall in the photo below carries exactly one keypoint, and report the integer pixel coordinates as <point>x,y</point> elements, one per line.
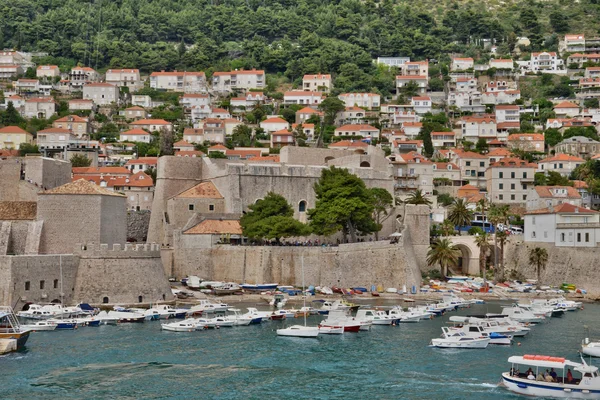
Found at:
<point>48,173</point>
<point>122,274</point>
<point>16,271</point>
<point>578,266</point>
<point>364,264</point>
<point>137,225</point>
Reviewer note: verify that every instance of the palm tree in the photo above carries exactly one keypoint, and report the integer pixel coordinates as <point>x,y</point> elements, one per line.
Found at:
<point>459,214</point>
<point>483,242</point>
<point>500,237</point>
<point>498,215</point>
<point>447,227</point>
<point>538,258</point>
<point>444,253</point>
<point>417,197</point>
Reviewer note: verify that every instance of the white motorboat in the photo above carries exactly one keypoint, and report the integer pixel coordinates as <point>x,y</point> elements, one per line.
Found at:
<point>39,326</point>
<point>166,311</point>
<point>538,311</point>
<point>237,317</point>
<point>479,331</point>
<point>337,318</point>
<point>328,306</point>
<point>206,306</point>
<point>503,326</point>
<point>572,380</point>
<point>374,316</point>
<point>223,322</point>
<point>279,300</point>
<point>399,314</point>
<point>35,311</point>
<point>459,340</point>
<point>299,331</point>
<point>207,323</point>
<point>187,325</point>
<point>521,315</point>
<point>588,348</point>
<point>193,282</point>
<point>331,330</point>
<point>108,317</point>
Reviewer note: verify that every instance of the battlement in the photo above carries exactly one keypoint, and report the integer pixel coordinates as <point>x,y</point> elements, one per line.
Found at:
<point>118,250</point>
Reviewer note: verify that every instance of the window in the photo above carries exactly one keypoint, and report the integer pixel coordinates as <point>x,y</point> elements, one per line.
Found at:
<point>525,174</point>
<point>468,163</point>
<point>524,197</point>
<point>211,207</point>
<point>140,299</point>
<point>42,284</point>
<point>190,207</point>
<point>562,237</point>
<point>482,164</point>
<point>578,237</point>
<point>105,300</point>
<point>512,196</point>
<point>302,206</point>
<point>500,197</point>
<point>533,234</point>
<point>587,237</point>
<point>55,284</point>
<point>512,186</point>
<point>532,220</point>
<point>524,186</point>
<point>501,175</point>
<point>27,285</point>
<point>512,175</point>
<point>501,186</point>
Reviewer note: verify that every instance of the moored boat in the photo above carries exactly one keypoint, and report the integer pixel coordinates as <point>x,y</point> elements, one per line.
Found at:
<point>39,326</point>
<point>590,348</point>
<point>260,287</point>
<point>299,331</point>
<point>188,325</point>
<point>459,340</point>
<point>11,329</point>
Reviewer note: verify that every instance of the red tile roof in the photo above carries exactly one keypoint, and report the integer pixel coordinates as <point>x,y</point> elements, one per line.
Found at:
<point>562,157</point>
<point>12,129</point>
<point>564,208</point>
<point>546,192</point>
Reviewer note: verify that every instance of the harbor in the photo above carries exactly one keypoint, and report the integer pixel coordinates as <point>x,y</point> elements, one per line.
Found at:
<point>249,361</point>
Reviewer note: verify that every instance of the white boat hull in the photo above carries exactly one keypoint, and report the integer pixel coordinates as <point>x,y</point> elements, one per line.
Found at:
<point>587,350</point>
<point>38,328</point>
<point>471,344</point>
<point>179,327</point>
<point>331,330</point>
<point>545,389</point>
<point>299,331</point>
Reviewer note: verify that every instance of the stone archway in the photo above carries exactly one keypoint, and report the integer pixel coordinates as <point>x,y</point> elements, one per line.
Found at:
<point>468,263</point>
<point>365,164</point>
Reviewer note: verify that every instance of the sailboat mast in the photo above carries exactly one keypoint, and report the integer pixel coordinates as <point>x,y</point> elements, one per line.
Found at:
<point>303,293</point>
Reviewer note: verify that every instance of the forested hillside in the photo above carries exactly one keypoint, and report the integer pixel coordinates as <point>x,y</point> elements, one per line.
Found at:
<point>291,37</point>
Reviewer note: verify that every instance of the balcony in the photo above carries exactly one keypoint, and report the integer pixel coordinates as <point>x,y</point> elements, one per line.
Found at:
<point>406,176</point>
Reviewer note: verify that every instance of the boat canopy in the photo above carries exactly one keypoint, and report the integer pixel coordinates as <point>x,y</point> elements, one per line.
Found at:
<point>551,362</point>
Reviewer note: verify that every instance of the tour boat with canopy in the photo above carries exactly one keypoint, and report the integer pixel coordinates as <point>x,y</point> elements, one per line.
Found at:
<point>567,379</point>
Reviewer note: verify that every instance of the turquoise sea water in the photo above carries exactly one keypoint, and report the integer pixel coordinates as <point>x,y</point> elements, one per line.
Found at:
<point>132,361</point>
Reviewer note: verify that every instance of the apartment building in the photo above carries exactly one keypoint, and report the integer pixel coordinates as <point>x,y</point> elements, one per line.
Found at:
<point>509,180</point>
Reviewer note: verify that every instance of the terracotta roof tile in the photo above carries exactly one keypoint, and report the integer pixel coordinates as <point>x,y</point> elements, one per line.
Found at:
<point>81,187</point>
<point>216,227</point>
<point>564,208</point>
<point>204,190</point>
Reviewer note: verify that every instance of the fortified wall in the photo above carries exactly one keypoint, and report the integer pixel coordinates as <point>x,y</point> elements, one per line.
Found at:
<point>353,264</point>
<point>578,266</point>
<point>120,274</point>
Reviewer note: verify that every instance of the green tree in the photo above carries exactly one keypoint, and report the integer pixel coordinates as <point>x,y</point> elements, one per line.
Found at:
<point>382,201</point>
<point>500,237</point>
<point>552,137</point>
<point>10,116</point>
<point>556,179</point>
<point>79,160</point>
<point>271,218</point>
<point>241,136</point>
<point>499,215</point>
<point>428,149</point>
<point>26,148</point>
<point>343,204</point>
<point>482,146</point>
<point>538,258</point>
<point>443,253</point>
<point>540,179</point>
<point>417,197</point>
<point>410,89</point>
<point>447,227</point>
<point>331,106</point>
<point>459,214</point>
<point>216,154</point>
<point>445,199</point>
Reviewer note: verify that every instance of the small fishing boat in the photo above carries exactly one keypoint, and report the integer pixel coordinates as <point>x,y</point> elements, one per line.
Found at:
<point>459,340</point>
<point>10,329</point>
<point>337,318</point>
<point>207,323</point>
<point>237,318</point>
<point>277,317</point>
<point>573,380</point>
<point>374,316</point>
<point>227,289</point>
<point>223,322</point>
<point>188,325</point>
<point>39,326</point>
<point>121,316</point>
<point>63,324</point>
<point>479,331</point>
<point>299,331</point>
<point>260,287</point>
<point>206,306</point>
<point>590,348</point>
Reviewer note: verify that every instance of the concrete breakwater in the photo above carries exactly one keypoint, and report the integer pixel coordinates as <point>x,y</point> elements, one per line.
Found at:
<point>347,265</point>
<point>578,266</point>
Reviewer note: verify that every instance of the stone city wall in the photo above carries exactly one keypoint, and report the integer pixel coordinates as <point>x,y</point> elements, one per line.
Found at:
<point>578,266</point>
<point>36,279</point>
<point>120,274</point>
<point>347,265</point>
<point>137,225</point>
<point>47,173</point>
